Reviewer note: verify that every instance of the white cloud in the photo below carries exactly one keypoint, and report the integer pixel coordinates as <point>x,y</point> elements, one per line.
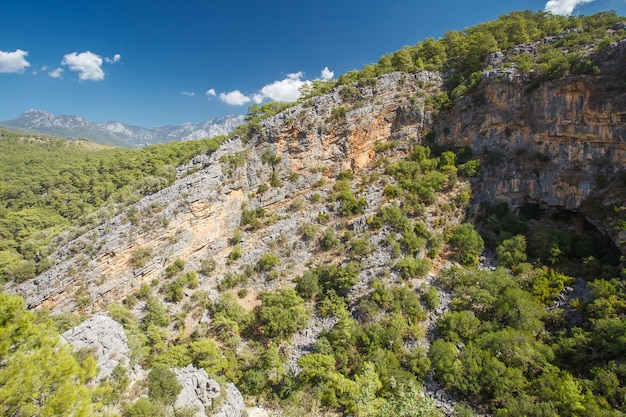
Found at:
<point>258,98</point>
<point>284,90</point>
<point>564,7</point>
<point>87,64</point>
<point>13,61</point>
<point>210,92</point>
<point>234,98</point>
<point>327,74</point>
<point>57,73</point>
<point>188,93</point>
<point>116,58</point>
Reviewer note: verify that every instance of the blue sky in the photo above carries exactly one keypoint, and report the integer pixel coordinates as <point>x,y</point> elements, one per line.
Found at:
<point>164,62</point>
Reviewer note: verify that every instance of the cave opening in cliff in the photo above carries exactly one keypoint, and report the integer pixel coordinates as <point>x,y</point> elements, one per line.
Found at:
<point>579,247</point>
<point>562,239</point>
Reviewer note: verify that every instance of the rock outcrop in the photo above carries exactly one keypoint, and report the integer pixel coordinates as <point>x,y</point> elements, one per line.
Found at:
<point>194,218</point>
<point>105,338</point>
<point>201,393</point>
<point>550,143</point>
<point>233,405</point>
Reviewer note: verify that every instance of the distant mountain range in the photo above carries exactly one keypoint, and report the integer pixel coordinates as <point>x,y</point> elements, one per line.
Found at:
<point>118,133</point>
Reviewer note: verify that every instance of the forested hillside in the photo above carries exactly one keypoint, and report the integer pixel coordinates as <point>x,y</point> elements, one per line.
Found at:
<point>50,185</point>
<point>331,258</point>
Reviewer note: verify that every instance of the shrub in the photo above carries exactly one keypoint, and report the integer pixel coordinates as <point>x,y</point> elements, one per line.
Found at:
<point>262,188</point>
<point>207,266</point>
<point>430,298</point>
<point>308,231</point>
<point>466,240</point>
<point>350,204</point>
<point>143,407</point>
<point>174,268</point>
<point>175,292</point>
<point>512,251</point>
<point>346,175</point>
<point>236,253</point>
<point>329,240</point>
<point>307,285</point>
<point>162,385</point>
<point>281,313</point>
<point>410,268</point>
<point>267,262</point>
<point>337,113</point>
<point>140,256</point>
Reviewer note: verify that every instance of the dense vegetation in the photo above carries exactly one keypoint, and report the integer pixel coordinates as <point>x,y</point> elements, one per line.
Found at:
<point>542,334</point>
<point>462,54</point>
<point>50,185</point>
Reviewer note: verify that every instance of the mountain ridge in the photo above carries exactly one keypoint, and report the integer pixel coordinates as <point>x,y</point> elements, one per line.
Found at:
<point>118,133</point>
<point>401,227</point>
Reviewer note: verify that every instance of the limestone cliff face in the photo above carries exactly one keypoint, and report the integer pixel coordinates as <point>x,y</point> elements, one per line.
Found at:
<point>195,217</point>
<point>560,144</point>
<point>554,143</point>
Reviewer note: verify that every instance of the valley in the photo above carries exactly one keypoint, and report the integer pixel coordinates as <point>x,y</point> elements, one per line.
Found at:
<point>426,236</point>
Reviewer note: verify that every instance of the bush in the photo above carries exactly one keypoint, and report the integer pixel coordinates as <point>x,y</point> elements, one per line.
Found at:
<point>466,240</point>
<point>163,386</point>
<point>143,407</point>
<point>267,262</point>
<point>329,240</point>
<point>430,298</point>
<point>140,256</point>
<point>175,292</point>
<point>512,251</point>
<point>307,285</point>
<point>350,204</point>
<point>410,267</point>
<point>236,253</point>
<point>174,268</point>
<point>308,231</point>
<point>281,313</point>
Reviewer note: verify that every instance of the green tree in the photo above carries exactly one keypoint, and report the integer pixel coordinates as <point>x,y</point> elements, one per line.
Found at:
<point>512,251</point>
<point>468,243</point>
<point>281,313</point>
<point>206,354</point>
<point>143,407</point>
<point>38,376</point>
<point>163,386</point>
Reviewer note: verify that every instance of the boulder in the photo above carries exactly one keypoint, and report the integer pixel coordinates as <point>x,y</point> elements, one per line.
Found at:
<point>233,405</point>
<point>200,392</point>
<point>105,338</point>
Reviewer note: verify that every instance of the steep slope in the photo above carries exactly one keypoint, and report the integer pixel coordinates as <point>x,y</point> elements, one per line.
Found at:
<point>337,197</point>
<point>560,144</point>
<point>194,218</point>
<point>549,144</point>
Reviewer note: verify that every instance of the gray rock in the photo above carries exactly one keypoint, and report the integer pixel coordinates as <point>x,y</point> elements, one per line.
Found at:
<point>105,338</point>
<point>199,391</point>
<point>619,25</point>
<point>233,405</point>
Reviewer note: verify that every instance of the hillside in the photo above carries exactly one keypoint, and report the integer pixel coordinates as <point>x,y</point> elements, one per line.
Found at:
<point>439,233</point>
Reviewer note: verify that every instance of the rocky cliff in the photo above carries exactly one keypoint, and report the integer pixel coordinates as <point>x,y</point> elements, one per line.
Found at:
<point>558,143</point>
<point>297,151</point>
